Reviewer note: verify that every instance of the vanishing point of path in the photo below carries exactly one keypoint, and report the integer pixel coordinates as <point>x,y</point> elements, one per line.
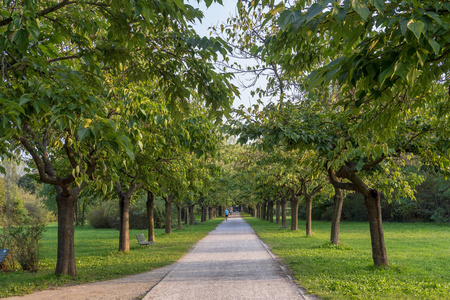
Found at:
<point>231,262</point>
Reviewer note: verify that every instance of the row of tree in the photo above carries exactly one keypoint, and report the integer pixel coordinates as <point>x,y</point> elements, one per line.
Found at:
<point>360,88</point>
<point>109,95</point>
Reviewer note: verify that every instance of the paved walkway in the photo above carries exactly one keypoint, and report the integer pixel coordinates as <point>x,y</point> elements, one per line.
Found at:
<point>231,262</point>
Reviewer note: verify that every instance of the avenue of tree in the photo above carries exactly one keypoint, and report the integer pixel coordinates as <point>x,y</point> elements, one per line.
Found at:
<point>114,98</point>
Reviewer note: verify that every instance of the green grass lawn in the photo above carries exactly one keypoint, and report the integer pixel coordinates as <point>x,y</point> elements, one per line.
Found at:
<point>98,258</point>
<point>418,253</point>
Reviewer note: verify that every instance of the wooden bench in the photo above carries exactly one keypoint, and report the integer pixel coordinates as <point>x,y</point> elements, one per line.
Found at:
<point>3,253</point>
<point>141,239</point>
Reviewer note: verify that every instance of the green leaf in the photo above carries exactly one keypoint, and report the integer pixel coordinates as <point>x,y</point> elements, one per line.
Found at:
<point>21,39</point>
<point>288,17</point>
<point>313,11</point>
<point>180,4</point>
<point>435,45</point>
<point>361,9</point>
<point>401,70</point>
<point>416,26</point>
<point>82,133</point>
<point>379,5</point>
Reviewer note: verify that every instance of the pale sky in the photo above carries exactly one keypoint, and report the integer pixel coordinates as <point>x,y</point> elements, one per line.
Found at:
<point>217,14</point>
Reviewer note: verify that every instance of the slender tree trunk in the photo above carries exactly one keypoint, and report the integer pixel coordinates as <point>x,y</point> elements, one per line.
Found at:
<point>124,233</point>
<point>124,205</point>
<point>150,216</point>
<point>270,211</point>
<point>283,213</point>
<point>373,204</point>
<point>278,210</point>
<point>203,214</point>
<point>179,219</point>
<point>254,211</point>
<point>66,200</point>
<point>294,212</point>
<point>192,214</point>
<point>308,199</point>
<point>210,213</point>
<point>263,211</point>
<point>168,227</point>
<point>83,214</point>
<point>336,218</point>
<point>186,221</point>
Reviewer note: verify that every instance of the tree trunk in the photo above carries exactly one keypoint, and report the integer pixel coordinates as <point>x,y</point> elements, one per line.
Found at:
<point>186,221</point>
<point>124,235</point>
<point>150,216</point>
<point>168,227</point>
<point>263,210</point>
<point>336,218</point>
<point>210,213</point>
<point>179,219</point>
<point>283,213</point>
<point>373,204</point>
<point>277,220</point>
<point>308,199</point>
<point>294,212</point>
<point>270,211</point>
<point>254,212</point>
<point>192,215</point>
<point>66,200</point>
<point>124,205</point>
<point>83,214</point>
<point>203,214</point>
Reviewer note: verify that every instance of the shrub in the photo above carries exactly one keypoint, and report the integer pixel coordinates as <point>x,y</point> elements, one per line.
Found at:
<point>23,242</point>
<point>97,218</point>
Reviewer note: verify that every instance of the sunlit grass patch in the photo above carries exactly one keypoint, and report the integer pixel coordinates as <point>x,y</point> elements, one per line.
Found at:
<point>98,258</point>
<point>418,253</point>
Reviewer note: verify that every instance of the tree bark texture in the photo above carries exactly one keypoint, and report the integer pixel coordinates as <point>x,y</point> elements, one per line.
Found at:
<point>150,216</point>
<point>379,253</point>
<point>210,213</point>
<point>124,206</point>
<point>66,200</point>
<point>336,218</point>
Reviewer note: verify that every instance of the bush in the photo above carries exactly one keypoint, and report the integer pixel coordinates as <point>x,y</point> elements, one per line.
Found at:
<point>106,214</point>
<point>23,243</point>
<point>97,218</point>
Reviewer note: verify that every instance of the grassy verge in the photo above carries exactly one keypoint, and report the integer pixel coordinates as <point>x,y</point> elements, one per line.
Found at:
<point>418,253</point>
<point>98,259</point>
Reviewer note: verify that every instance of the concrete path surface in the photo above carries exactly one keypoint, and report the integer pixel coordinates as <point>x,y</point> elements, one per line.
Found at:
<point>231,262</point>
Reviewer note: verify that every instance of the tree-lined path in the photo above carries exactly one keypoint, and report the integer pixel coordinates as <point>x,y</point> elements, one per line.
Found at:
<point>229,263</point>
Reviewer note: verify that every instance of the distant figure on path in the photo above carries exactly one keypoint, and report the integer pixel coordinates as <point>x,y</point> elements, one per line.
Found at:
<point>226,214</point>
